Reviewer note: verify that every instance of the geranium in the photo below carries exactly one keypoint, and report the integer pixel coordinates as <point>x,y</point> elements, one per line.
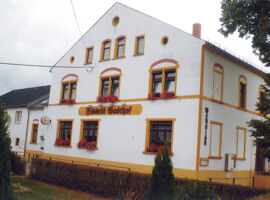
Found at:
<point>87,145</point>
<point>167,94</point>
<point>153,95</point>
<point>102,99</point>
<point>69,101</point>
<point>156,148</point>
<point>62,142</point>
<point>112,98</point>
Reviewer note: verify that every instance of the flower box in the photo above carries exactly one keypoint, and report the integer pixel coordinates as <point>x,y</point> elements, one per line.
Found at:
<point>153,95</point>
<point>154,148</point>
<point>67,101</point>
<point>61,142</point>
<point>167,95</point>
<point>111,98</point>
<point>84,144</point>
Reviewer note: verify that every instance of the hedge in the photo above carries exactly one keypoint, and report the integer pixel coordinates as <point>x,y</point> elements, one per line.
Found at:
<point>129,185</point>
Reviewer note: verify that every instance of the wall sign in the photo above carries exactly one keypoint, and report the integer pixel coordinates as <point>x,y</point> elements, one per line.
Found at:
<point>135,109</point>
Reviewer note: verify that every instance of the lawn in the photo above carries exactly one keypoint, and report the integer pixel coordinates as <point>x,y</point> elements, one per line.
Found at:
<point>27,189</point>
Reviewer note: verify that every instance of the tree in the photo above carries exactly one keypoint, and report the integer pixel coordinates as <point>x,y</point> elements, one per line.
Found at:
<point>162,180</point>
<point>5,152</point>
<point>249,18</point>
<point>261,127</point>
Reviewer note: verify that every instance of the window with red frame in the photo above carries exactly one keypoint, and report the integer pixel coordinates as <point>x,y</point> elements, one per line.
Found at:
<point>90,129</point>
<point>160,133</point>
<point>65,130</point>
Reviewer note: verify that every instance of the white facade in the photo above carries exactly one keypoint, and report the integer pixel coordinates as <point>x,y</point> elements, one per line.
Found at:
<point>122,138</point>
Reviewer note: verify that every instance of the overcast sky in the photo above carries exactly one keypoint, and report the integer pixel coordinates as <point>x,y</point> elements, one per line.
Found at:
<point>41,31</point>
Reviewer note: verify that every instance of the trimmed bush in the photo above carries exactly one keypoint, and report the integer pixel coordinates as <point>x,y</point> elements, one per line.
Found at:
<point>129,185</point>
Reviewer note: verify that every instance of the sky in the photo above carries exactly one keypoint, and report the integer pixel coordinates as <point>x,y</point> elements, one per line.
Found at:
<point>42,31</point>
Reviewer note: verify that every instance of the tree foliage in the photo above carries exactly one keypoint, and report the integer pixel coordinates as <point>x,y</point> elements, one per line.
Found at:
<point>261,127</point>
<point>5,151</point>
<point>251,18</point>
<point>162,180</point>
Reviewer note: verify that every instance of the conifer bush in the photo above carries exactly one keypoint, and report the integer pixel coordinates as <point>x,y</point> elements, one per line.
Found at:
<point>5,150</point>
<point>162,181</point>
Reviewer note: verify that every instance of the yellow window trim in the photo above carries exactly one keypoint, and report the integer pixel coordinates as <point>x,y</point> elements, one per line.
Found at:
<point>102,50</point>
<point>82,127</point>
<point>147,136</point>
<point>117,45</point>
<point>110,83</point>
<point>69,82</point>
<point>87,55</point>
<point>220,140</point>
<point>32,132</point>
<point>58,128</point>
<point>217,68</point>
<point>163,69</point>
<point>136,45</point>
<point>245,142</point>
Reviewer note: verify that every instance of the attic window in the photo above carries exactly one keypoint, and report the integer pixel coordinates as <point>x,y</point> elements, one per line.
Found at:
<point>71,60</point>
<point>115,21</point>
<point>164,40</point>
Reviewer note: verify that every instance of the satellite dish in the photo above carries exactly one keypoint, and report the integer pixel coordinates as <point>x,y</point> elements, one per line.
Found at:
<point>45,120</point>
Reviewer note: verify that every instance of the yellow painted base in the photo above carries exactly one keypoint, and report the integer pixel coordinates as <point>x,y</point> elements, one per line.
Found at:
<point>241,177</point>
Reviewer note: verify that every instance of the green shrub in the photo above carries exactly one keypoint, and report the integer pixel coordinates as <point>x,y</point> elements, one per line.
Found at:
<point>17,164</point>
<point>195,190</point>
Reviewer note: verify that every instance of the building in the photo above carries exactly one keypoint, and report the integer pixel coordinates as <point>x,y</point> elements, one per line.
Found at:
<point>147,83</point>
<point>25,108</point>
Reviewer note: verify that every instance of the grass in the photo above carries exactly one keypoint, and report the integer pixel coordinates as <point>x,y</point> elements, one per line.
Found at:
<point>27,189</point>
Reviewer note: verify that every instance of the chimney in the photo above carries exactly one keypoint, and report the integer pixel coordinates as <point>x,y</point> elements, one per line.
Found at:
<point>197,30</point>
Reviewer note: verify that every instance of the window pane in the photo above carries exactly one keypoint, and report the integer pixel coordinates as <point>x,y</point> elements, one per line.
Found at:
<point>34,134</point>
<point>65,130</point>
<point>242,95</point>
<point>73,88</point>
<point>170,81</point>
<point>115,86</point>
<point>65,91</point>
<point>157,82</point>
<point>140,45</point>
<point>107,47</point>
<point>90,56</point>
<point>217,85</point>
<point>105,87</point>
<point>215,140</point>
<point>160,132</point>
<point>121,48</point>
<point>240,148</point>
<point>90,131</point>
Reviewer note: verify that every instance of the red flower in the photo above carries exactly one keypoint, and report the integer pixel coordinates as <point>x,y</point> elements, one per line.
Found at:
<point>153,95</point>
<point>87,145</point>
<point>156,148</point>
<point>102,99</point>
<point>69,101</point>
<point>62,142</point>
<point>112,98</point>
<point>167,95</point>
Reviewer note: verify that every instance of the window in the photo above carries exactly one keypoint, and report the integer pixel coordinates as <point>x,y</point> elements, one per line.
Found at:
<point>261,93</point>
<point>64,132</point>
<point>110,86</point>
<point>139,45</point>
<point>120,44</point>
<point>218,82</point>
<point>17,141</point>
<point>215,140</point>
<point>242,91</point>
<point>18,117</point>
<point>159,133</point>
<point>89,55</point>
<point>163,81</point>
<point>34,133</point>
<point>69,88</point>
<point>105,50</point>
<point>89,134</point>
<point>241,143</point>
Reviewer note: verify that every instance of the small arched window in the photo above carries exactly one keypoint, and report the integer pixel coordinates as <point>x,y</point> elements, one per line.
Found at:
<point>242,81</point>
<point>105,50</point>
<point>218,77</point>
